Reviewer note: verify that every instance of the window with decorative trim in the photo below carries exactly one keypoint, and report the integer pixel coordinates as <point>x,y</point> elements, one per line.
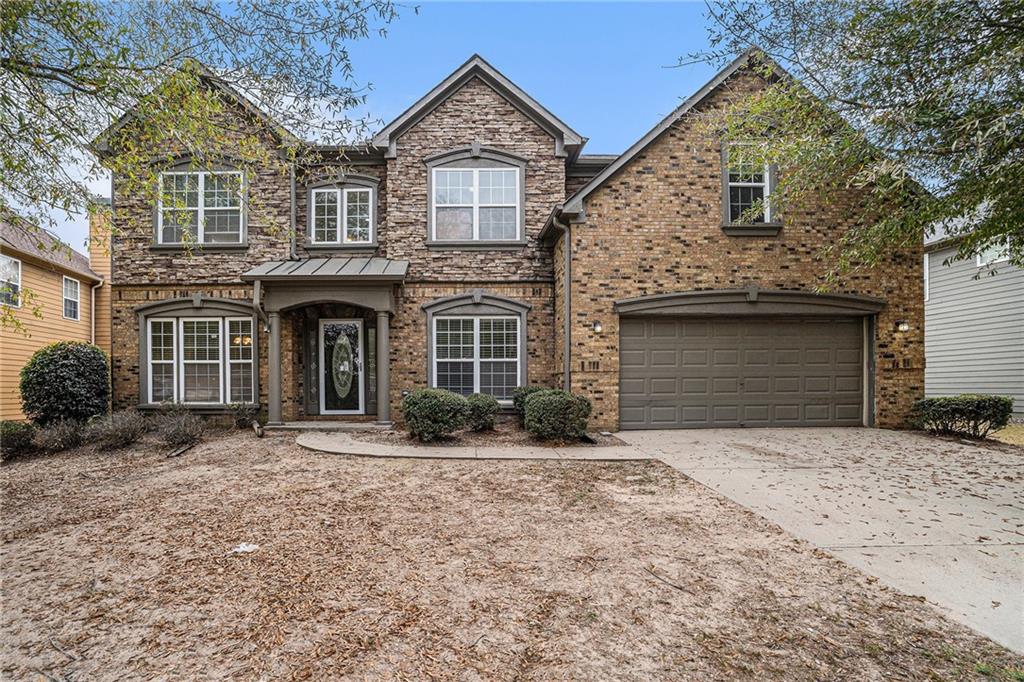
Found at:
<point>476,204</point>
<point>193,360</point>
<point>477,355</point>
<point>72,298</point>
<point>10,281</point>
<point>342,216</point>
<point>203,207</point>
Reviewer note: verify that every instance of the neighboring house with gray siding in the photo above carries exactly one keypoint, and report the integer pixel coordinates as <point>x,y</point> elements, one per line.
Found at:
<point>974,325</point>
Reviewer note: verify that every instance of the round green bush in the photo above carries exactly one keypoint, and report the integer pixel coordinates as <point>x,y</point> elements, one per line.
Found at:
<point>483,409</point>
<point>557,415</point>
<point>519,396</point>
<point>65,380</point>
<point>968,415</point>
<point>431,413</point>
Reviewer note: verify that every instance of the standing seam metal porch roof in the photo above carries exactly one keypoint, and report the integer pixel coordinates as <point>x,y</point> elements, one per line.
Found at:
<point>340,269</point>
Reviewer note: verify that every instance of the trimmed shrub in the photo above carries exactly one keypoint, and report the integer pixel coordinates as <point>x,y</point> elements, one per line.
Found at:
<point>178,426</point>
<point>482,411</point>
<point>519,396</point>
<point>119,430</point>
<point>15,438</point>
<point>431,413</point>
<point>968,415</point>
<point>557,415</point>
<point>65,380</point>
<point>60,435</point>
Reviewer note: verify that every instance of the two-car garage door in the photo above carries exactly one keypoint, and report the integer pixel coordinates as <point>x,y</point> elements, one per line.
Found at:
<point>699,372</point>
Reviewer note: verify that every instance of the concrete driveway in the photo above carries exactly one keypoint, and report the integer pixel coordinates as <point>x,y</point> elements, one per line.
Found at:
<point>932,518</point>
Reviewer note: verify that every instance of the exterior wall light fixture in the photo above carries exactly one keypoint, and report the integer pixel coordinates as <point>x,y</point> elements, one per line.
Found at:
<point>598,328</point>
<point>902,325</point>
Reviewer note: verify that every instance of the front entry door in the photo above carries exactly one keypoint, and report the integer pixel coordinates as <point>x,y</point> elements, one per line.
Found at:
<point>341,367</point>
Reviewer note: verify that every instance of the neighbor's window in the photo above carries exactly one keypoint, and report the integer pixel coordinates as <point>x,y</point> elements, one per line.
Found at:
<point>747,185</point>
<point>477,355</point>
<point>995,253</point>
<point>343,215</point>
<point>476,204</point>
<point>10,281</point>
<point>192,361</point>
<point>71,298</point>
<point>201,207</point>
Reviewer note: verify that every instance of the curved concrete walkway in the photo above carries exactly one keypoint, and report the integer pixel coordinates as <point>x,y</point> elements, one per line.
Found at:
<point>341,443</point>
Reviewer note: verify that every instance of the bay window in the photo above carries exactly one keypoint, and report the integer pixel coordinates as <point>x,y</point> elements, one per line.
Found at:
<point>202,207</point>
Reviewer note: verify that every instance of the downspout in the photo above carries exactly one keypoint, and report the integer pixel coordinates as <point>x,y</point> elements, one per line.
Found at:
<point>567,303</point>
<point>92,311</point>
<point>292,251</point>
<point>257,306</point>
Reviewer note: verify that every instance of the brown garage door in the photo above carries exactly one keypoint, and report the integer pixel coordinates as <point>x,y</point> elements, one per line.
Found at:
<point>711,372</point>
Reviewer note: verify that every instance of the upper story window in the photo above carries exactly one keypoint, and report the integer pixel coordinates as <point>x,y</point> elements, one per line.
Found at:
<point>475,195</point>
<point>746,188</point>
<point>72,289</point>
<point>343,212</point>
<point>203,207</point>
<point>994,253</point>
<point>10,281</point>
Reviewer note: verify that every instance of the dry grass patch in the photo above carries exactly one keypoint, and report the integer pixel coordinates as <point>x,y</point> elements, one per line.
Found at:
<point>119,566</point>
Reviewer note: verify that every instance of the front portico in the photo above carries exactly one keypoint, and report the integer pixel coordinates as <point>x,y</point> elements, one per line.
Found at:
<point>334,315</point>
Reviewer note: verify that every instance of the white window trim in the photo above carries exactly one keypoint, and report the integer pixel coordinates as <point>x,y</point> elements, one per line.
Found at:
<point>979,258</point>
<point>64,298</point>
<point>342,215</point>
<point>6,283</point>
<point>200,238</point>
<point>765,185</point>
<point>927,258</point>
<point>227,356</point>
<point>173,362</point>
<point>476,205</point>
<point>476,347</point>
<point>180,360</point>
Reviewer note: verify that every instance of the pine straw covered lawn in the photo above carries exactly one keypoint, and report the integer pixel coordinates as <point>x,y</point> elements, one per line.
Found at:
<point>117,566</point>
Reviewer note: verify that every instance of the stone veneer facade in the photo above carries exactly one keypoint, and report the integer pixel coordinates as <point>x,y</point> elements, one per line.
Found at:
<point>654,227</point>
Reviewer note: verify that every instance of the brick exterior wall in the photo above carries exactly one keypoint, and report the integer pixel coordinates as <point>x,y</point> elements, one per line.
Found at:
<point>655,228</point>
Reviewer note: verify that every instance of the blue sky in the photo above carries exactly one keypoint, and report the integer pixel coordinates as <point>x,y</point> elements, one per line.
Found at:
<point>599,66</point>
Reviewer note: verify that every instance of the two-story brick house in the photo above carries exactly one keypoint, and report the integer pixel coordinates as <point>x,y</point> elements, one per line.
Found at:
<point>440,258</point>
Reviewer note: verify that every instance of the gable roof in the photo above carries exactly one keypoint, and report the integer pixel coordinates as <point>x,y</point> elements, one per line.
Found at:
<point>35,242</point>
<point>574,204</point>
<point>101,145</point>
<point>567,140</point>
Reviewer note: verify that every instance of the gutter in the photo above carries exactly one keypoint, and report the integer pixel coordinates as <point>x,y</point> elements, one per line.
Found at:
<point>567,304</point>
<point>92,311</point>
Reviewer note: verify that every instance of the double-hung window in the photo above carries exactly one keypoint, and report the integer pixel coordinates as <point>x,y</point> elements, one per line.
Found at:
<point>72,298</point>
<point>747,185</point>
<point>10,281</point>
<point>202,361</point>
<point>995,253</point>
<point>475,204</point>
<point>477,355</point>
<point>202,207</point>
<point>342,216</point>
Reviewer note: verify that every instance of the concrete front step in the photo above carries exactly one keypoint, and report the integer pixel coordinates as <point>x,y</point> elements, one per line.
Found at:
<point>328,426</point>
<point>340,443</point>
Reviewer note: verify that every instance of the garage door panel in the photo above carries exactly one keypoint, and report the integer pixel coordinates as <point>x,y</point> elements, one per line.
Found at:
<point>693,373</point>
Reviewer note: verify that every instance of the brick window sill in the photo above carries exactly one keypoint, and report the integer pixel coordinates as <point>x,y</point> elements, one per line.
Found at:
<point>755,230</point>
<point>200,248</point>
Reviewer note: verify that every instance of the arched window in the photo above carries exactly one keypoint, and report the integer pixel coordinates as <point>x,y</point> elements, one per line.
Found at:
<point>476,196</point>
<point>476,343</point>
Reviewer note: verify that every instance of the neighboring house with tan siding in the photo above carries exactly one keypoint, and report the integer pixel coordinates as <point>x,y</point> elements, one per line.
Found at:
<point>47,292</point>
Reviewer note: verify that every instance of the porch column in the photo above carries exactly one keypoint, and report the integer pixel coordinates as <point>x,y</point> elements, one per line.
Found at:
<point>383,368</point>
<point>274,371</point>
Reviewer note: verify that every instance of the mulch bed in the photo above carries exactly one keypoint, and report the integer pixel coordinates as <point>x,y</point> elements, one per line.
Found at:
<point>119,566</point>
<point>506,433</point>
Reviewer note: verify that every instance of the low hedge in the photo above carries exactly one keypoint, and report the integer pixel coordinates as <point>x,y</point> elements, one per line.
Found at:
<point>119,430</point>
<point>61,435</point>
<point>557,415</point>
<point>15,438</point>
<point>177,425</point>
<point>431,413</point>
<point>483,409</point>
<point>969,415</point>
<point>519,396</point>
